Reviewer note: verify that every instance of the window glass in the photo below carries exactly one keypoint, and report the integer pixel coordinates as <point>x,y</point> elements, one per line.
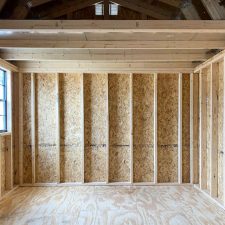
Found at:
<point>2,91</point>
<point>2,76</point>
<point>3,101</point>
<point>2,123</point>
<point>113,9</point>
<point>2,108</point>
<point>98,9</point>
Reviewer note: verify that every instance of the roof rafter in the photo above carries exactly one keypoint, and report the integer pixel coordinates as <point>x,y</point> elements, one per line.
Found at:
<point>215,10</point>
<point>39,43</point>
<point>66,7</point>
<point>34,3</point>
<point>147,9</point>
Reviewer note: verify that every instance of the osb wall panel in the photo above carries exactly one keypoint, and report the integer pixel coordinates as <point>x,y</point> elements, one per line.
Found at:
<point>27,149</point>
<point>208,104</point>
<point>95,127</point>
<point>143,127</point>
<point>119,130</point>
<point>71,127</point>
<point>167,119</point>
<point>220,130</point>
<point>46,96</point>
<point>186,128</point>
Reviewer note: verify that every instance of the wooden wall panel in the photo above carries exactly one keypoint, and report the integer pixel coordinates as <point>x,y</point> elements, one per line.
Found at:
<point>5,147</point>
<point>208,104</point>
<point>119,127</point>
<point>46,160</point>
<point>95,127</point>
<point>167,119</point>
<point>27,152</point>
<point>15,126</point>
<point>71,127</point>
<point>185,128</point>
<point>143,127</point>
<point>220,130</point>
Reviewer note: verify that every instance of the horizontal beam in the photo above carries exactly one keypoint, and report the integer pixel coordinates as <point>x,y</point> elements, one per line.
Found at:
<point>32,56</point>
<point>112,44</point>
<point>70,66</point>
<point>181,26</point>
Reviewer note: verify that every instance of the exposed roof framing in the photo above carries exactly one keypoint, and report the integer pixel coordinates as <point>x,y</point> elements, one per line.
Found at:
<point>2,3</point>
<point>149,26</point>
<point>65,44</point>
<point>20,11</point>
<point>215,10</point>
<point>129,9</point>
<point>103,55</point>
<point>145,8</point>
<point>66,7</point>
<point>104,45</point>
<point>189,10</point>
<point>35,3</point>
<point>174,3</point>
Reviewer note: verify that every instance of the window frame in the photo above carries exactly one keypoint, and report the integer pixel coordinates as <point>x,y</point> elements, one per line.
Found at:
<point>4,100</point>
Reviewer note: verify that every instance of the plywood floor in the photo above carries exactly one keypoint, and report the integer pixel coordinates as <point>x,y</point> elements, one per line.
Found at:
<point>109,206</point>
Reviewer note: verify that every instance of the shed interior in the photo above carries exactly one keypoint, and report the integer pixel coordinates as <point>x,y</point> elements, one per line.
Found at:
<point>127,108</point>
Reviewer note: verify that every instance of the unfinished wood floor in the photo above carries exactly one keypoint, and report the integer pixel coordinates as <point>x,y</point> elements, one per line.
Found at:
<point>171,205</point>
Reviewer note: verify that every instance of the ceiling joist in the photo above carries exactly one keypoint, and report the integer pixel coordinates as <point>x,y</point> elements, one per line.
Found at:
<point>70,66</point>
<point>112,44</point>
<point>20,55</point>
<point>151,26</point>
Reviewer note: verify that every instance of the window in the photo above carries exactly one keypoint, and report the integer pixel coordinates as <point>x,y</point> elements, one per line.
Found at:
<point>113,9</point>
<point>3,101</point>
<point>99,9</point>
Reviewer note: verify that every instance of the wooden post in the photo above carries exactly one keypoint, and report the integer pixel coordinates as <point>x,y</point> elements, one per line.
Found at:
<point>203,130</point>
<point>107,127</point>
<point>191,128</point>
<point>33,126</point>
<point>21,128</point>
<point>214,86</point>
<point>180,128</point>
<point>106,9</point>
<point>224,131</point>
<point>82,109</point>
<point>131,131</point>
<point>12,130</point>
<point>155,130</point>
<point>58,133</point>
<point>194,129</point>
